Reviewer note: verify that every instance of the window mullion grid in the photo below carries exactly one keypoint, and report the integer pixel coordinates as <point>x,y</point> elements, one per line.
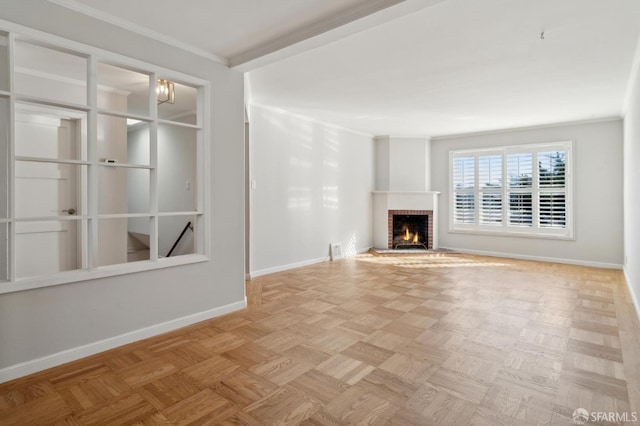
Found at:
<point>476,190</point>
<point>92,156</point>
<point>201,176</point>
<point>535,191</point>
<point>11,210</point>
<point>505,191</point>
<point>153,172</point>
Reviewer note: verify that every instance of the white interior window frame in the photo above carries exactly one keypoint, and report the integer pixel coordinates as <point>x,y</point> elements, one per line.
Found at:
<point>504,228</point>
<point>93,56</point>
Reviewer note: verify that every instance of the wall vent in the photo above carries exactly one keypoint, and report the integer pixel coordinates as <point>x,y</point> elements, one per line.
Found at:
<point>335,250</point>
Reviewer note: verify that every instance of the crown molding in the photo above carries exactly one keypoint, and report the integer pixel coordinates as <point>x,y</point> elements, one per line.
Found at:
<point>525,128</point>
<point>77,6</point>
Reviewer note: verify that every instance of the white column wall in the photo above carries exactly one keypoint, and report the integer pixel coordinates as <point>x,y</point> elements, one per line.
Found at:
<point>632,190</point>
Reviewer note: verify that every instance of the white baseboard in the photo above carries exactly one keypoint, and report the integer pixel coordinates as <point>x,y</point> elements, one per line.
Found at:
<point>295,265</point>
<point>538,258</point>
<point>39,364</point>
<point>634,298</point>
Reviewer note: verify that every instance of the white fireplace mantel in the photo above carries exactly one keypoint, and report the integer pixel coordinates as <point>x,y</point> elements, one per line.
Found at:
<point>383,201</point>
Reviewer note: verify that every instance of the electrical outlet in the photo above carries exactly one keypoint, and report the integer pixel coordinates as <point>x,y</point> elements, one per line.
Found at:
<point>187,185</point>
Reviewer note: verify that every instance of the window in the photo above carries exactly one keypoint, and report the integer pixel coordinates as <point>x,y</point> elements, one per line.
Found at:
<point>102,167</point>
<point>524,190</point>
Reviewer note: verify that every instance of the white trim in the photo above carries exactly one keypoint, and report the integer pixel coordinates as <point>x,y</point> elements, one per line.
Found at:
<point>295,265</point>
<point>589,263</point>
<point>67,277</point>
<point>33,366</point>
<point>77,6</point>
<point>408,192</point>
<point>634,299</point>
<point>510,233</point>
<point>309,119</point>
<point>525,128</point>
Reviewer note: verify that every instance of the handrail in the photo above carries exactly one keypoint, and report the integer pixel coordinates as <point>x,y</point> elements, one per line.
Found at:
<point>188,226</point>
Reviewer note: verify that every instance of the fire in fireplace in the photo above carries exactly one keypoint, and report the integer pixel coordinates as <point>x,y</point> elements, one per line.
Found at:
<point>409,229</point>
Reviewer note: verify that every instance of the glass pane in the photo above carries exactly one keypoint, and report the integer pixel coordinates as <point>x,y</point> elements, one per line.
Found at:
<point>4,250</point>
<point>123,90</point>
<point>490,171</point>
<point>463,173</point>
<point>48,247</point>
<point>176,168</point>
<point>551,168</point>
<point>177,233</point>
<point>123,190</point>
<point>4,156</point>
<point>520,209</point>
<point>553,211</point>
<point>123,240</point>
<point>122,140</point>
<point>520,170</point>
<point>4,61</point>
<point>181,106</point>
<point>47,132</point>
<point>49,189</point>
<point>47,73</point>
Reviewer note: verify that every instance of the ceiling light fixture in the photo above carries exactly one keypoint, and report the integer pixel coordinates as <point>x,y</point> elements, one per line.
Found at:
<point>166,92</point>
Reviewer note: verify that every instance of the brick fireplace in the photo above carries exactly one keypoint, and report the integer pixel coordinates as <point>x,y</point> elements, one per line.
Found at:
<point>387,204</point>
<point>410,229</point>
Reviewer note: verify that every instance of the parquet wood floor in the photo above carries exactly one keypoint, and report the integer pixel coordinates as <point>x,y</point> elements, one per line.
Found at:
<point>377,340</point>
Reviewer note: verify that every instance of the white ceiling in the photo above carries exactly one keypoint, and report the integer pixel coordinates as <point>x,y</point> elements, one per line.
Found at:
<point>435,67</point>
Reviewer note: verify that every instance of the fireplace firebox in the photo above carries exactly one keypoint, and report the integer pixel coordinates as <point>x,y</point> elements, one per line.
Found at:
<point>410,229</point>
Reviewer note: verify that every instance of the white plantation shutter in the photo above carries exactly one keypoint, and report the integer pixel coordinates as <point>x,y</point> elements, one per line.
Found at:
<point>490,183</point>
<point>463,189</point>
<point>552,196</point>
<point>520,190</point>
<point>520,178</point>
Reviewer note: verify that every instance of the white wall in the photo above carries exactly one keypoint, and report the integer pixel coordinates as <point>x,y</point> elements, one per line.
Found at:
<point>597,194</point>
<point>312,187</point>
<point>632,190</point>
<point>382,158</point>
<point>402,164</point>
<point>43,322</point>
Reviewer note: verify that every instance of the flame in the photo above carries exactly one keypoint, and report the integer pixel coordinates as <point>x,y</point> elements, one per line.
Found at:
<point>415,238</point>
<point>407,236</point>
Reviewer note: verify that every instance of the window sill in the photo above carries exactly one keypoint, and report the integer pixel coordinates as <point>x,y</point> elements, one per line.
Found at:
<point>67,277</point>
<point>517,234</point>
